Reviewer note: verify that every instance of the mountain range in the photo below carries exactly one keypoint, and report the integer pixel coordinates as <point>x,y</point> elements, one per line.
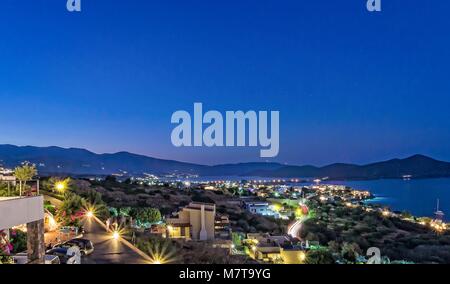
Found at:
<point>74,161</point>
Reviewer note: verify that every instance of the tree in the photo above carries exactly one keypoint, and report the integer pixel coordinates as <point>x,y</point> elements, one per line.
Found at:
<point>350,251</point>
<point>146,215</point>
<point>319,256</point>
<point>71,208</point>
<point>124,211</point>
<point>110,179</point>
<point>5,189</point>
<point>24,173</point>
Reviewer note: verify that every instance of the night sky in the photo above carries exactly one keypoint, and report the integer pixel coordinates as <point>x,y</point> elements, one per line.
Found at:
<point>351,86</point>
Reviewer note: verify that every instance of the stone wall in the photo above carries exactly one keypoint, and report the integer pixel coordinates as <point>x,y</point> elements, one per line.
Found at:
<point>35,242</point>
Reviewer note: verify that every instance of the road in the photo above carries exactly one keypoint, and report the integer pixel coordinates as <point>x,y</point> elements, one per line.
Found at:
<point>294,229</point>
<point>106,249</point>
<point>54,201</point>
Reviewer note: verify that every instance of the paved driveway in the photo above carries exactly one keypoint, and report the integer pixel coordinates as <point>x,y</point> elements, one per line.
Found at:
<point>106,249</point>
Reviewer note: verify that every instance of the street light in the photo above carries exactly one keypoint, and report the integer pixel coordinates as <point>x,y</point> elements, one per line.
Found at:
<point>60,186</point>
<point>53,225</point>
<point>157,261</point>
<point>89,214</point>
<point>116,235</point>
<point>302,256</point>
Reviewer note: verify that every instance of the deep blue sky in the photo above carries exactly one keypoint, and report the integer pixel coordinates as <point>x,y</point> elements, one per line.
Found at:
<point>350,86</point>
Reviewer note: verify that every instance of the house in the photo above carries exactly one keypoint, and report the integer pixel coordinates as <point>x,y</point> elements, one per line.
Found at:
<point>7,175</point>
<point>222,227</point>
<point>275,249</point>
<point>260,208</point>
<point>195,221</point>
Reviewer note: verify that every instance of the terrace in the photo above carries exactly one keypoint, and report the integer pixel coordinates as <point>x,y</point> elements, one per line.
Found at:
<point>15,211</point>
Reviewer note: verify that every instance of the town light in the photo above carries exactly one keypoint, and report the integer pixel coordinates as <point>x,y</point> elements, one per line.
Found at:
<point>89,214</point>
<point>277,207</point>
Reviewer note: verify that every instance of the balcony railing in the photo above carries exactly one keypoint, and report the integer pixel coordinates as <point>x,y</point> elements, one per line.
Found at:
<point>20,210</point>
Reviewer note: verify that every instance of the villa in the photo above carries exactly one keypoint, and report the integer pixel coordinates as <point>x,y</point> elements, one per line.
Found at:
<point>195,221</point>
<point>275,249</point>
<point>263,208</point>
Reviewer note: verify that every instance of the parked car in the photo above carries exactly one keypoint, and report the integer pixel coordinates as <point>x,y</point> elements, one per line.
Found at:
<point>60,252</point>
<point>86,246</point>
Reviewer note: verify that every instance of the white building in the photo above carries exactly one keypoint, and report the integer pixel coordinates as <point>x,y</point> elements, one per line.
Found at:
<point>7,175</point>
<point>16,211</point>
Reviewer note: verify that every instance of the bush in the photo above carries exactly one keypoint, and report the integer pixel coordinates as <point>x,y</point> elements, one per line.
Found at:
<point>18,240</point>
<point>319,256</point>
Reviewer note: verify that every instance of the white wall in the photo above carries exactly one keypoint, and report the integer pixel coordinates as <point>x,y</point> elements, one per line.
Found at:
<point>16,211</point>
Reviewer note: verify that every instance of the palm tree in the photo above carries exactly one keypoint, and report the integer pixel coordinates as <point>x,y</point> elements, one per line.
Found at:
<point>24,173</point>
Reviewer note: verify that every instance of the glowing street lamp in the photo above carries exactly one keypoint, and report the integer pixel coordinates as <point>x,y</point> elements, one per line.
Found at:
<point>53,225</point>
<point>116,235</point>
<point>302,256</point>
<point>60,186</point>
<point>89,214</point>
<point>157,260</point>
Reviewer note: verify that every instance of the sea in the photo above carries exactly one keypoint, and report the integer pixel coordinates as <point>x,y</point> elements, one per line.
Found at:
<point>416,196</point>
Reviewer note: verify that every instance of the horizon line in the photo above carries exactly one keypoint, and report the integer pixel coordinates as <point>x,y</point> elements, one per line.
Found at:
<point>220,164</point>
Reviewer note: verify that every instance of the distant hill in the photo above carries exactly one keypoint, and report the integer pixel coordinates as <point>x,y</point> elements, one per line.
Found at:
<point>56,160</point>
<point>418,166</point>
<point>74,161</point>
<point>80,161</point>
